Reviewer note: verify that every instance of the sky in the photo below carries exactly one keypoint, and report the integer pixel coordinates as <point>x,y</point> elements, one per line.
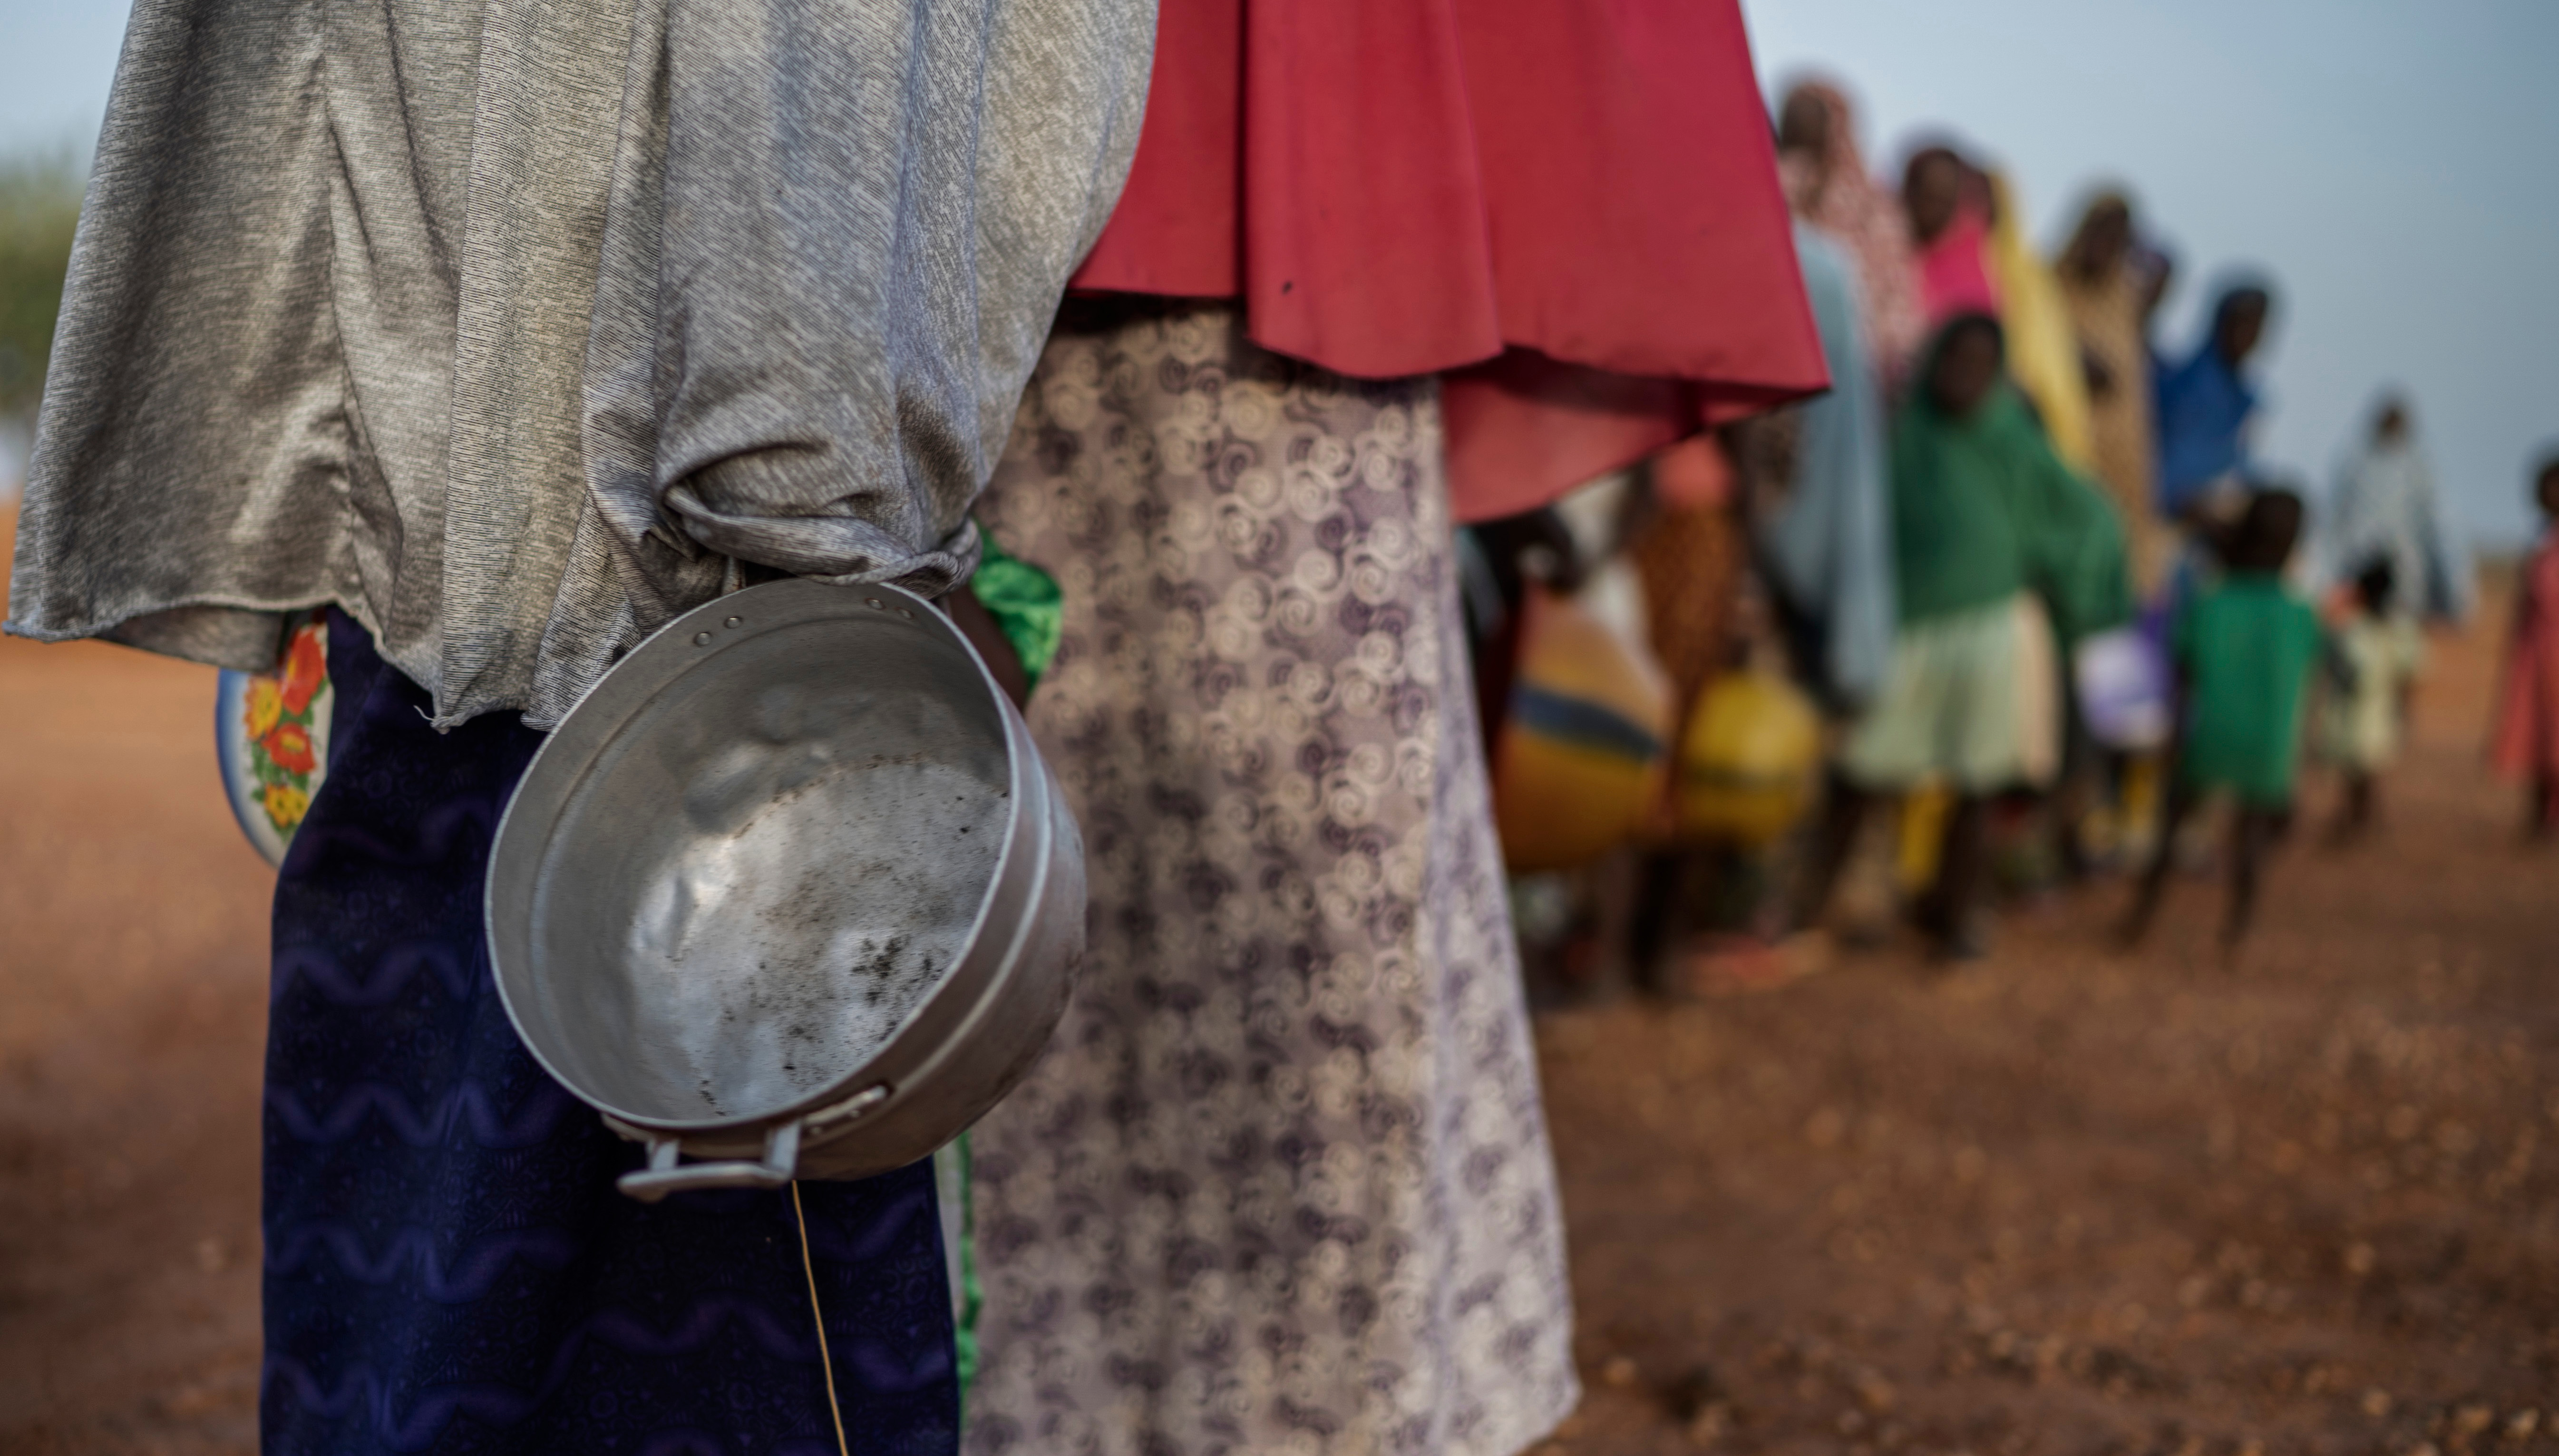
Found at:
<point>2390,162</point>
<point>2393,165</point>
<point>54,70</point>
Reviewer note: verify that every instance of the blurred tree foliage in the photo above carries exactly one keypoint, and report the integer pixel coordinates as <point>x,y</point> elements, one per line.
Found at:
<point>40,204</point>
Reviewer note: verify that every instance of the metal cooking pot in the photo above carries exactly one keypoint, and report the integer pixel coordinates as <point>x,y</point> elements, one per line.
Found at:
<point>789,891</point>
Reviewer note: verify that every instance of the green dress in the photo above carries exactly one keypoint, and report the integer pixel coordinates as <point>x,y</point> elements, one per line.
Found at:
<point>1983,515</point>
<point>2246,649</point>
<point>1982,510</point>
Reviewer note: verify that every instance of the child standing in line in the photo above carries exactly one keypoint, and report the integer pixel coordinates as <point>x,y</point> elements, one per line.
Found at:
<point>2376,654</point>
<point>1993,538</point>
<point>2244,650</point>
<point>2527,719</point>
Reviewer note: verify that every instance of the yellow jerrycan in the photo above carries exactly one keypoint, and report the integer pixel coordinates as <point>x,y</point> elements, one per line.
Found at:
<point>1750,761</point>
<point>1581,757</point>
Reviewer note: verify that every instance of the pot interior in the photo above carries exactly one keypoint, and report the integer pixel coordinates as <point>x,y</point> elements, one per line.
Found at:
<point>768,867</point>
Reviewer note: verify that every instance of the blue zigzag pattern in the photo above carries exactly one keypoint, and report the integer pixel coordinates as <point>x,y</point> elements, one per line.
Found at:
<point>391,973</point>
<point>500,1405</point>
<point>439,832</point>
<point>412,1251</point>
<point>465,1102</point>
<point>878,1238</point>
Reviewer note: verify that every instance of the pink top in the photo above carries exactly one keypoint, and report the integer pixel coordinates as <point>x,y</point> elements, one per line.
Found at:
<point>2526,745</point>
<point>1955,272</point>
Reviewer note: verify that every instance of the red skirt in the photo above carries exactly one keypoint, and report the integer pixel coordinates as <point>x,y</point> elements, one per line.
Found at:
<point>1567,208</point>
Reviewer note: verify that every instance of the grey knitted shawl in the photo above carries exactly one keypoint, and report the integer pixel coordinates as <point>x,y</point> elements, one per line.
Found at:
<point>508,327</point>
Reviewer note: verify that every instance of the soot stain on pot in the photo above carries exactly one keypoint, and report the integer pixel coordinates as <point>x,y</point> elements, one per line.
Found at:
<point>808,931</point>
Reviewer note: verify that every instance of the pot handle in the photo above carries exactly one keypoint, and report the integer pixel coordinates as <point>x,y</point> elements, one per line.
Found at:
<point>665,1175</point>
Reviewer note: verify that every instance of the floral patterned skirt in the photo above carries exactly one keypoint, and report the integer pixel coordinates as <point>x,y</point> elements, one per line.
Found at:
<point>1282,1183</point>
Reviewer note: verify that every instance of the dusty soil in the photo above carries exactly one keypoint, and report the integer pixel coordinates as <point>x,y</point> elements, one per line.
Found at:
<point>132,1021</point>
<point>2081,1202</point>
<point>2068,1201</point>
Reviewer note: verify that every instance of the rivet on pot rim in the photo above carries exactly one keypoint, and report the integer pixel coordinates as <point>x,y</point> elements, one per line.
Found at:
<point>734,621</point>
<point>702,639</point>
<point>871,602</point>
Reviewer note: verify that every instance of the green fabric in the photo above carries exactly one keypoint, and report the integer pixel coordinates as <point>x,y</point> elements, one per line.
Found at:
<point>2246,649</point>
<point>1982,509</point>
<point>1024,601</point>
<point>955,1183</point>
<point>2086,582</point>
<point>1030,611</point>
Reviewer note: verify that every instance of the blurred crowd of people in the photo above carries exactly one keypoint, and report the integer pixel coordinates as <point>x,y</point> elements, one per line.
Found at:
<point>2019,575</point>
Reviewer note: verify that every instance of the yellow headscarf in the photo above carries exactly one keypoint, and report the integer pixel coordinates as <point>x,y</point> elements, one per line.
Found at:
<point>2043,345</point>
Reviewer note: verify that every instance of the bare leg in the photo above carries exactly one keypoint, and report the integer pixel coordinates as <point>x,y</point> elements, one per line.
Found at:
<point>2146,899</point>
<point>2355,808</point>
<point>1659,918</point>
<point>1841,812</point>
<point>1963,863</point>
<point>2250,834</point>
<point>1616,885</point>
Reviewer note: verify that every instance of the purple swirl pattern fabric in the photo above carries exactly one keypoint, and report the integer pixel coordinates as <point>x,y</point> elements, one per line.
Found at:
<point>1282,1183</point>
<point>449,1267</point>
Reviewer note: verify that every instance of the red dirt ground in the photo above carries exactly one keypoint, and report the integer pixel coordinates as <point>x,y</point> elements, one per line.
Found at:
<point>2078,1201</point>
<point>2068,1201</point>
<point>133,957</point>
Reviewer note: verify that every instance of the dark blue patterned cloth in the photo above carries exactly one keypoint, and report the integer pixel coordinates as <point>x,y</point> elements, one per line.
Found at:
<point>449,1267</point>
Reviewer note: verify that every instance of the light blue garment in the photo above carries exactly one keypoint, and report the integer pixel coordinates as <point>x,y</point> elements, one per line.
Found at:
<point>2386,507</point>
<point>1828,552</point>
